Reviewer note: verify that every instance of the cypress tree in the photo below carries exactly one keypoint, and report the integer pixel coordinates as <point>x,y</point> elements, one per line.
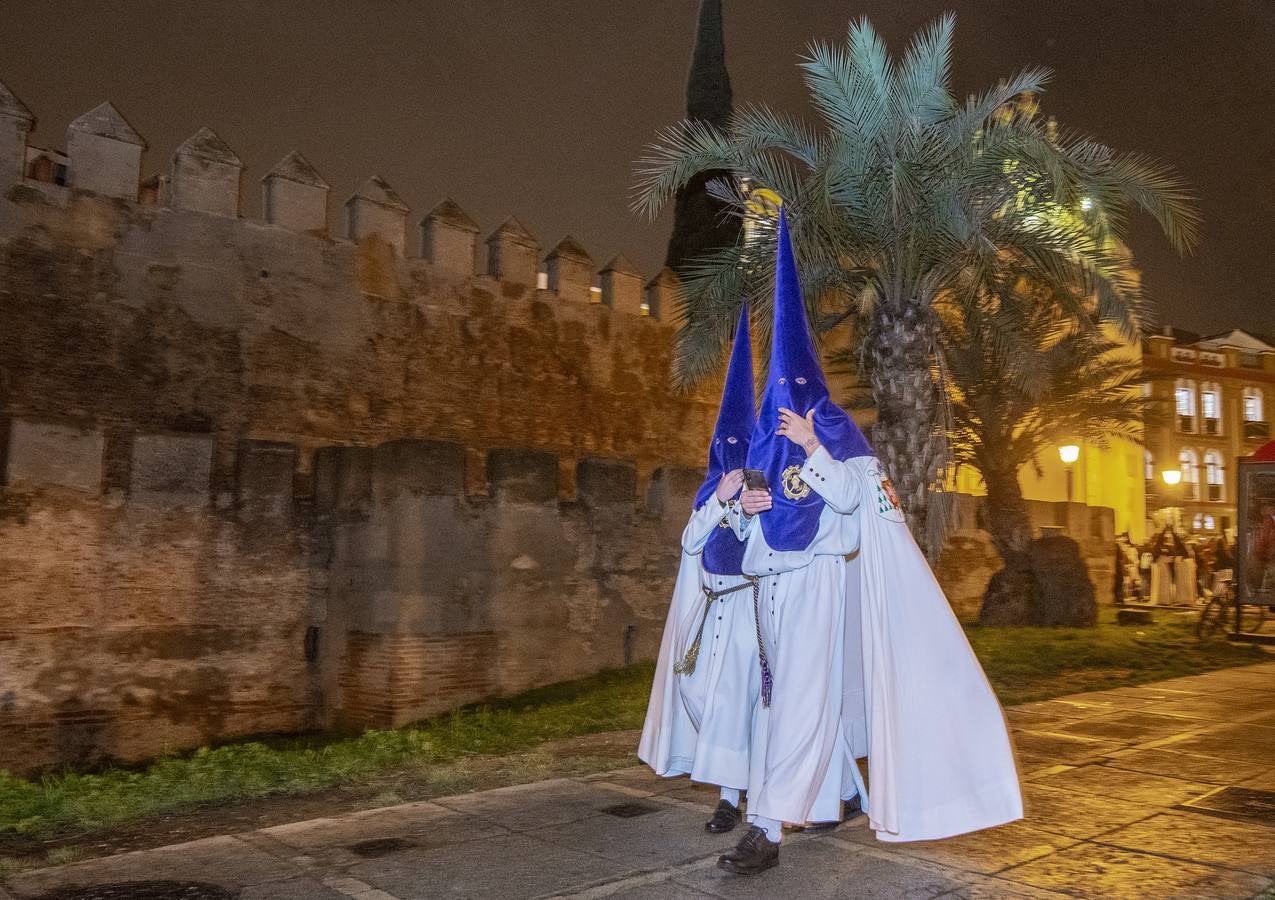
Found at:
<point>699,223</point>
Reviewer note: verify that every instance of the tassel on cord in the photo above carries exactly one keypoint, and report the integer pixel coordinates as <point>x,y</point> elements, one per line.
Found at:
<point>687,664</point>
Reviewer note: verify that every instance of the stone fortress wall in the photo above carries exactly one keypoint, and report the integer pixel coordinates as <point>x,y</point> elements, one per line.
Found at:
<point>272,475</point>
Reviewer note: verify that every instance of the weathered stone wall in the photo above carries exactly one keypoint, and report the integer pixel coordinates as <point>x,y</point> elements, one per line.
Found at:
<point>253,476</point>
<point>969,560</point>
<point>259,477</point>
<point>148,622</point>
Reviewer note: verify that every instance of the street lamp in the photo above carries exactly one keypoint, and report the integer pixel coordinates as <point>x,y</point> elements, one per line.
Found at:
<point>1172,478</point>
<point>1069,453</point>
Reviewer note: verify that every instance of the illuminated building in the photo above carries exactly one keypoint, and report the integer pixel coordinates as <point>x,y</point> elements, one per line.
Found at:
<point>1217,393</point>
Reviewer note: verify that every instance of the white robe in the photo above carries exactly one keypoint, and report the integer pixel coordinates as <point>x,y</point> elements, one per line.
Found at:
<point>802,766</point>
<point>701,724</point>
<point>939,756</point>
<point>869,660</point>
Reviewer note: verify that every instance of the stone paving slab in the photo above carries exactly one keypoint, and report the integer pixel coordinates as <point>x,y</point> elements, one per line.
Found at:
<point>421,824</point>
<point>1140,787</point>
<point>1125,726</point>
<point>642,842</point>
<point>1177,763</point>
<point>1079,815</point>
<point>822,868</point>
<point>1103,777</point>
<point>1246,846</point>
<point>982,853</point>
<point>1094,870</point>
<point>304,887</point>
<point>515,865</point>
<point>1060,748</point>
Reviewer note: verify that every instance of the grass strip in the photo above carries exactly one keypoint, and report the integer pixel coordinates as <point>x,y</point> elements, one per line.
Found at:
<point>1022,663</point>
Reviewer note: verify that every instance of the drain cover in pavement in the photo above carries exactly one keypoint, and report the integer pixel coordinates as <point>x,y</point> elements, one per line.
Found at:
<point>380,847</point>
<point>1244,803</point>
<point>630,810</point>
<point>144,890</point>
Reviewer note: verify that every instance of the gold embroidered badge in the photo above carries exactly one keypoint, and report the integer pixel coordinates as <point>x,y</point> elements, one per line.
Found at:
<point>794,487</point>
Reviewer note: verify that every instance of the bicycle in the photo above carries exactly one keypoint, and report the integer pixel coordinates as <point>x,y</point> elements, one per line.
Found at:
<point>1219,613</point>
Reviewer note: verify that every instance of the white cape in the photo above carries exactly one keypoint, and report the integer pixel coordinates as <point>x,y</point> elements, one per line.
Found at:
<point>701,724</point>
<point>916,699</point>
<point>668,734</point>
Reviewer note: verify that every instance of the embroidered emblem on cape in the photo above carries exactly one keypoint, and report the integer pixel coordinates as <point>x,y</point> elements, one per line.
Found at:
<point>794,487</point>
<point>888,506</point>
<point>888,486</point>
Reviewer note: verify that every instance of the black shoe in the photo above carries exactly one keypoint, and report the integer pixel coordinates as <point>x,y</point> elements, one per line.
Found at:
<point>753,854</point>
<point>725,818</point>
<point>849,809</point>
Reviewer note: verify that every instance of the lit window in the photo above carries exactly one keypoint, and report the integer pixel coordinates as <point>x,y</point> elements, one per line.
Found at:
<point>1184,399</point>
<point>1252,405</point>
<point>1212,405</point>
<point>1150,465</point>
<point>1208,523</point>
<point>1186,402</point>
<point>1189,463</point>
<point>1197,522</point>
<point>1215,475</point>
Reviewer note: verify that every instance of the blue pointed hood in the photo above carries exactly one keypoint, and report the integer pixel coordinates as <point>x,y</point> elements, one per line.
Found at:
<point>795,381</point>
<point>724,552</point>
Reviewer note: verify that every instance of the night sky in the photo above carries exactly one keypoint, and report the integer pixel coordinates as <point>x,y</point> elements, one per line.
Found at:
<point>539,108</point>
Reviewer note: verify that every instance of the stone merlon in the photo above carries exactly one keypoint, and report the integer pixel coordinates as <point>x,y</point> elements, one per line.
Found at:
<point>206,175</point>
<point>105,153</point>
<point>621,284</point>
<point>662,292</point>
<point>377,190</point>
<point>376,210</point>
<point>570,270</point>
<point>206,145</point>
<point>15,123</point>
<point>12,107</point>
<point>104,120</point>
<point>295,167</point>
<point>294,195</point>
<point>513,255</point>
<point>449,239</point>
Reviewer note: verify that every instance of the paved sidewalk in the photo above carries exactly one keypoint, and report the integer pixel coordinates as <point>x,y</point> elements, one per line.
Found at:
<point>1117,784</point>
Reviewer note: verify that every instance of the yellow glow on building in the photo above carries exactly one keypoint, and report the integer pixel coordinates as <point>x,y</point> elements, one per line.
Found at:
<point>1111,476</point>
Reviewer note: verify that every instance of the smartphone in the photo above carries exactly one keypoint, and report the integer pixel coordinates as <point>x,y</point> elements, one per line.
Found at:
<point>755,480</point>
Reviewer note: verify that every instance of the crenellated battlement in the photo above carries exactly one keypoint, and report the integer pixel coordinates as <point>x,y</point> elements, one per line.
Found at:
<point>104,156</point>
<point>282,473</point>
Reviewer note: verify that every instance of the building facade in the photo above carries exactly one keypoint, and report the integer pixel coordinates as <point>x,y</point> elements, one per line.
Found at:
<point>1216,393</point>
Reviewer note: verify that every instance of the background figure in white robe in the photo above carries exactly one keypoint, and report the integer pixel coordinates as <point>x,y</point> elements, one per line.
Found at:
<point>707,682</point>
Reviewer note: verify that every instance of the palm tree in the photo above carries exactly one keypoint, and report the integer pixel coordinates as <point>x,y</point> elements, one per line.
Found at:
<point>1067,383</point>
<point>902,196</point>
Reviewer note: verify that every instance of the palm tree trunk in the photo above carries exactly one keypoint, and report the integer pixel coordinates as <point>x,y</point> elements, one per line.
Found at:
<point>908,436</point>
<point>1005,515</point>
<point>1011,593</point>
